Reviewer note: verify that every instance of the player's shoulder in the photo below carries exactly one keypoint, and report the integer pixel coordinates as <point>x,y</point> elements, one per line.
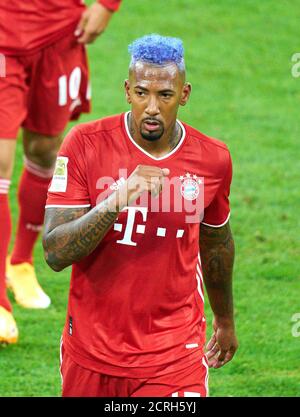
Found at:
<point>203,139</point>
<point>99,126</point>
<point>84,133</point>
<point>212,151</point>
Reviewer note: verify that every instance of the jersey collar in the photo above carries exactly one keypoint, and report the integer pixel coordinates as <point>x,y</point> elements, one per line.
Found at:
<point>179,144</point>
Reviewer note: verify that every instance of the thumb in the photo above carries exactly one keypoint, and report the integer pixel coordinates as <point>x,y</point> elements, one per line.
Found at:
<point>212,342</point>
<point>82,22</point>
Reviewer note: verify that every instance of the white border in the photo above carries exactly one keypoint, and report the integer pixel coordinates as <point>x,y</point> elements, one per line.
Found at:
<point>66,205</point>
<point>148,154</point>
<point>218,225</point>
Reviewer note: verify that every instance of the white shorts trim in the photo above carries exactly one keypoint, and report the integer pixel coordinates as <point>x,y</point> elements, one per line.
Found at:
<point>204,363</point>
<point>191,345</point>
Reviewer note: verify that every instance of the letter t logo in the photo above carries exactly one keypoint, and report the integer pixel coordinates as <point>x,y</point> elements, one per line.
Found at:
<point>130,225</point>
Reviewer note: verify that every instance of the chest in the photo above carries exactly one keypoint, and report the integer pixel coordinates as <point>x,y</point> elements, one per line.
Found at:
<point>174,215</point>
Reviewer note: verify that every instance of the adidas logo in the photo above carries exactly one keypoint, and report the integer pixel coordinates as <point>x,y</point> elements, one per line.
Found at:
<point>116,185</point>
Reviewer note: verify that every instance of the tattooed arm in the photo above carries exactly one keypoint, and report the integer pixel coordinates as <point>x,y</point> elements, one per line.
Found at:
<point>71,234</point>
<point>217,257</point>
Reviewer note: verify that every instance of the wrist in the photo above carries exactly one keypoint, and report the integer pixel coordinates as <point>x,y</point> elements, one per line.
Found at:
<point>224,321</point>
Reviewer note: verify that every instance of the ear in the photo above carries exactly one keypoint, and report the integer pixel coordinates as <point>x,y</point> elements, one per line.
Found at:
<point>127,91</point>
<point>185,95</point>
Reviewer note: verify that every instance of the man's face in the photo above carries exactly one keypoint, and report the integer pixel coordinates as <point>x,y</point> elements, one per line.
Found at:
<point>155,92</point>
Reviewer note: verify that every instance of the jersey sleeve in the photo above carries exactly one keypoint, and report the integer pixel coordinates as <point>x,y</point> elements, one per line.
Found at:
<point>112,5</point>
<point>69,182</point>
<point>218,212</point>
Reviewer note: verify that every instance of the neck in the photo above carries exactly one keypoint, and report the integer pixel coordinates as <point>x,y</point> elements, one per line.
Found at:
<point>160,147</point>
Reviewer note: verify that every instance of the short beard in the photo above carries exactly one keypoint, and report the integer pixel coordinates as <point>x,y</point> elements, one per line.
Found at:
<point>153,136</point>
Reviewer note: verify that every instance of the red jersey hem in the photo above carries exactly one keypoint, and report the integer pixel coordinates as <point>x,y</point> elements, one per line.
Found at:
<point>132,372</point>
<point>42,44</point>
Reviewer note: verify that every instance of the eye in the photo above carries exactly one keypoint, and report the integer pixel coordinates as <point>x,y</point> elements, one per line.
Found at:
<point>166,95</point>
<point>140,93</point>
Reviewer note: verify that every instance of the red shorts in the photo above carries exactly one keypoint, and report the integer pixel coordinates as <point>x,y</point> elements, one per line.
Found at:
<point>81,382</point>
<point>44,90</point>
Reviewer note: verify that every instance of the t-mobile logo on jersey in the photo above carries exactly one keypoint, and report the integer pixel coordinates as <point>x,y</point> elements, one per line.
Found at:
<point>140,228</point>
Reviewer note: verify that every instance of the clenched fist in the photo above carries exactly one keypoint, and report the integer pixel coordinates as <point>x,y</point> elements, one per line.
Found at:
<point>143,178</point>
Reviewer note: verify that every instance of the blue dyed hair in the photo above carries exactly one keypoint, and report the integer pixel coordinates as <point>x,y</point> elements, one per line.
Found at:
<point>158,50</point>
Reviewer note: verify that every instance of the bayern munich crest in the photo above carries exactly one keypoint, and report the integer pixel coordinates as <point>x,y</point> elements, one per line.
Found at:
<point>190,186</point>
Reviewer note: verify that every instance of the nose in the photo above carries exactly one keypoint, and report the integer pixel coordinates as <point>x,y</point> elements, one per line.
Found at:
<point>152,106</point>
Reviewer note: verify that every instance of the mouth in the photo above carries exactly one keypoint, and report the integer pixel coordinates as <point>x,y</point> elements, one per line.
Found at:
<point>151,125</point>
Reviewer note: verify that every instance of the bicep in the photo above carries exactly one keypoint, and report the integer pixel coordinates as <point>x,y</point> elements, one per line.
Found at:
<point>56,216</point>
<point>217,254</point>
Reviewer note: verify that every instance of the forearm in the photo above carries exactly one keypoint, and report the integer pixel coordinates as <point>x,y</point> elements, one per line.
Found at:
<point>73,240</point>
<point>217,258</point>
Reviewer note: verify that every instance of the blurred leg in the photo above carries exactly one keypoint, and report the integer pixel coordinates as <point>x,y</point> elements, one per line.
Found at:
<point>40,155</point>
<point>8,328</point>
<point>13,100</point>
<point>7,154</point>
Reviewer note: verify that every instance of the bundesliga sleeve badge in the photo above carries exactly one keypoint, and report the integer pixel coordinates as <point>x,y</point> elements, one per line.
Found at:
<point>60,176</point>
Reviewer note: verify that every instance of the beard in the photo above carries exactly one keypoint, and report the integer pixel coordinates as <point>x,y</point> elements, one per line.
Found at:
<point>152,136</point>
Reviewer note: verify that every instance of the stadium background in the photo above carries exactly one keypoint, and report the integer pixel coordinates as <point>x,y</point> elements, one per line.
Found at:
<point>238,56</point>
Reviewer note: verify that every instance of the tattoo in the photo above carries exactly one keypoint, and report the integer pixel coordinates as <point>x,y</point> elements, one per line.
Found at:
<point>130,124</point>
<point>217,257</point>
<point>175,137</point>
<point>73,233</point>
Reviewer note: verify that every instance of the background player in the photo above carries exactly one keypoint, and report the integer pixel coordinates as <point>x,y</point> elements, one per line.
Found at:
<point>45,85</point>
<point>135,324</point>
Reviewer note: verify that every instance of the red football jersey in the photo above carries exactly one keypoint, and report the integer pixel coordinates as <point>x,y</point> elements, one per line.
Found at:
<point>136,303</point>
<point>26,26</point>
